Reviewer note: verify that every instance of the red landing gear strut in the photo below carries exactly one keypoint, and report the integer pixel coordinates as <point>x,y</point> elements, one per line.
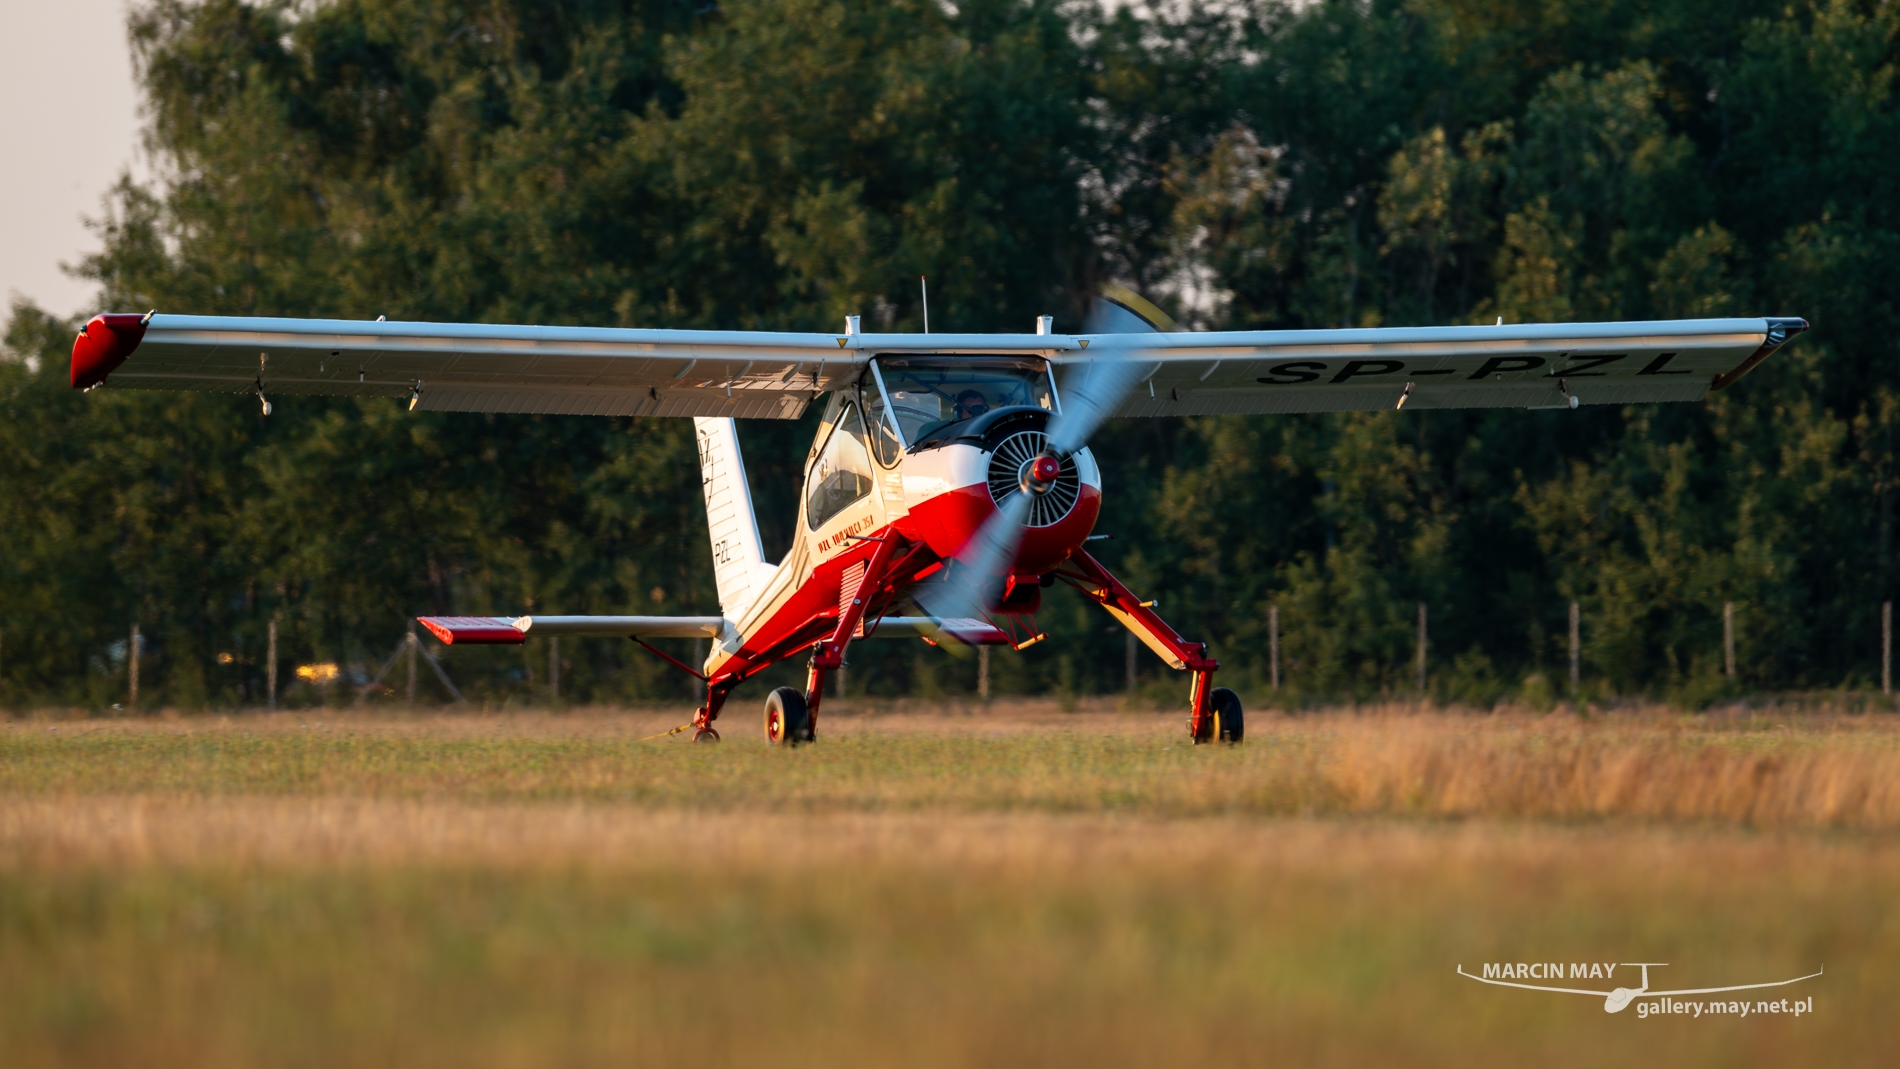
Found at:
<point>703,731</point>
<point>1213,712</point>
<point>828,655</point>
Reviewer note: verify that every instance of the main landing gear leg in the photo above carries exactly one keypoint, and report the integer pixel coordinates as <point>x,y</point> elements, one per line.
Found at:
<point>828,657</point>
<point>1214,713</point>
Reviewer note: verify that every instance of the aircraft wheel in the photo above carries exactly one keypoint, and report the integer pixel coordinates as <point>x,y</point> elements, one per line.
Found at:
<point>1226,721</point>
<point>787,720</point>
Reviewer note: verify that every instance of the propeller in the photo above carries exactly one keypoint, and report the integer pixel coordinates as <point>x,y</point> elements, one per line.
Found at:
<point>1093,396</point>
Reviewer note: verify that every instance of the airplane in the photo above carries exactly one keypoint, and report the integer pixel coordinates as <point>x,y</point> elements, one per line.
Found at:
<point>950,481</point>
<point>1619,999</point>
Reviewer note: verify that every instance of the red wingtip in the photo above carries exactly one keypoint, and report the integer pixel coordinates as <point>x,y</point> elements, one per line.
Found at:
<point>446,636</point>
<point>480,630</point>
<point>105,343</point>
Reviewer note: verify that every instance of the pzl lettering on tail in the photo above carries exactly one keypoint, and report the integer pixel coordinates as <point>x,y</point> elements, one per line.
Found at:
<point>950,482</point>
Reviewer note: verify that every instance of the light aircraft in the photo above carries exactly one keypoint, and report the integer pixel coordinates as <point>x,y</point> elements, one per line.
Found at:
<point>950,482</point>
<point>1614,1001</point>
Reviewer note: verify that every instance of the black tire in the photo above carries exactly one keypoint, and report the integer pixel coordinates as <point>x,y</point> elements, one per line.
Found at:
<point>1230,722</point>
<point>787,720</point>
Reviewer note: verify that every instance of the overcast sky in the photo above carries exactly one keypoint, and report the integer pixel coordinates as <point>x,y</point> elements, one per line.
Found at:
<point>69,124</point>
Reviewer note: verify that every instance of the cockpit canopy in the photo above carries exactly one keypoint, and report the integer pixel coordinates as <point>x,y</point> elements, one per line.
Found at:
<point>930,394</point>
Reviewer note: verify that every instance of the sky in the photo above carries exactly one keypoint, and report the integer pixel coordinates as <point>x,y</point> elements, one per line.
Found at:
<point>69,121</point>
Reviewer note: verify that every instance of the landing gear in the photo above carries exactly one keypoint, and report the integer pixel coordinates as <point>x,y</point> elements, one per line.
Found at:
<point>703,731</point>
<point>1224,722</point>
<point>787,718</point>
<point>1213,712</point>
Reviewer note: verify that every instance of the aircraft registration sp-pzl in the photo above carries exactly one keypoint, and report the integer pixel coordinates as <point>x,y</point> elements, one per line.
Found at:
<point>950,481</point>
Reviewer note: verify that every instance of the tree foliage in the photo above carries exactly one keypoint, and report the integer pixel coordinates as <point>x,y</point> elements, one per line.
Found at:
<point>781,163</point>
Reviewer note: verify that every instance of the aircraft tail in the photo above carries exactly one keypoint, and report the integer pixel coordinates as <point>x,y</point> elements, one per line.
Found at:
<point>739,567</point>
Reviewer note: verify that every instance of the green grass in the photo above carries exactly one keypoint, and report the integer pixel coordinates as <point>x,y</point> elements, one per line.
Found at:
<point>940,891</point>
<point>1833,772</point>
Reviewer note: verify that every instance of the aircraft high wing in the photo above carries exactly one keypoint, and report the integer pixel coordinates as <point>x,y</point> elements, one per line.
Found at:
<point>471,367</point>
<point>950,481</point>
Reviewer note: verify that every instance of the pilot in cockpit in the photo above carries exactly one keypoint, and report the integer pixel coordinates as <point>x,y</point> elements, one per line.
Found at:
<point>970,404</point>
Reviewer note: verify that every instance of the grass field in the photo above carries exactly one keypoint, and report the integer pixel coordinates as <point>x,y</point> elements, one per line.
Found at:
<point>1018,886</point>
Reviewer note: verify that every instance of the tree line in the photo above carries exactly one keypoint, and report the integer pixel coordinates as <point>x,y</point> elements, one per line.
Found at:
<point>779,164</point>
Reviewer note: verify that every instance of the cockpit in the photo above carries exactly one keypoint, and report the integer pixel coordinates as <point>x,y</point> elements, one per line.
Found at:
<point>929,394</point>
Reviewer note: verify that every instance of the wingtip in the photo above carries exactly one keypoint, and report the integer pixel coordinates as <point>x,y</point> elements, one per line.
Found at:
<point>1777,332</point>
<point>103,344</point>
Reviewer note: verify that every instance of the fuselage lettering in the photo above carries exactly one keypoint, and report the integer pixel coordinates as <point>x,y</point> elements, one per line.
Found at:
<point>838,539</point>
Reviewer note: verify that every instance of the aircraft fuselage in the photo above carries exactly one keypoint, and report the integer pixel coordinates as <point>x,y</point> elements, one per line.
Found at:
<point>883,475</point>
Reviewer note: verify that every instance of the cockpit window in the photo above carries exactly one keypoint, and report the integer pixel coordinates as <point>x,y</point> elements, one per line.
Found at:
<point>841,475</point>
<point>929,395</point>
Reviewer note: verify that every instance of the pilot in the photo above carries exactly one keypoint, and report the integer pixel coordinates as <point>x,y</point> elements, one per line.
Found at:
<point>971,404</point>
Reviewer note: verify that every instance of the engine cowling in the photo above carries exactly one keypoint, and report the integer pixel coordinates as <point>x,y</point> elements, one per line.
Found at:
<point>955,485</point>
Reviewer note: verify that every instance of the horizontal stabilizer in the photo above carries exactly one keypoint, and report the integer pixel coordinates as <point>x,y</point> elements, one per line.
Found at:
<point>474,630</point>
<point>514,630</point>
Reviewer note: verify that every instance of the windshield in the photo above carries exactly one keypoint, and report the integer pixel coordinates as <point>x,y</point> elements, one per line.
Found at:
<point>929,395</point>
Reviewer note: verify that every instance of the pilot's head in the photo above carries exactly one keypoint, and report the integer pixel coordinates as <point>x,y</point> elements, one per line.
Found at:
<point>970,403</point>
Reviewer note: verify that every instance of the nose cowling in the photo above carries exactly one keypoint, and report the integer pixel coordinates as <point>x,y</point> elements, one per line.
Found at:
<point>1063,504</point>
<point>985,466</point>
<point>1021,463</point>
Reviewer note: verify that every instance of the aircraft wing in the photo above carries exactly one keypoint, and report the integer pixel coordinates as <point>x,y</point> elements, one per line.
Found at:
<point>464,367</point>
<point>470,367</point>
<point>1531,365</point>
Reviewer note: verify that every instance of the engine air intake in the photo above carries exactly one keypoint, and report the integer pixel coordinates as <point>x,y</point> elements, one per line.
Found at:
<point>1011,468</point>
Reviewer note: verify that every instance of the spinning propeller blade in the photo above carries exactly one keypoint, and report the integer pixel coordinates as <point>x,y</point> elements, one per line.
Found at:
<point>988,554</point>
<point>1102,388</point>
<point>1091,398</point>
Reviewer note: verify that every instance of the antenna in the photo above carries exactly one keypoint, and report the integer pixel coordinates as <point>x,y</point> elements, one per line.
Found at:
<point>924,284</point>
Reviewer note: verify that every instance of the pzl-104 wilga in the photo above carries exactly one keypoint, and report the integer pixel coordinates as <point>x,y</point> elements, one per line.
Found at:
<point>950,481</point>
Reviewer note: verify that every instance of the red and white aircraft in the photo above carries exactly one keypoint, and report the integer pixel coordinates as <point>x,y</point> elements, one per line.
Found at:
<point>950,481</point>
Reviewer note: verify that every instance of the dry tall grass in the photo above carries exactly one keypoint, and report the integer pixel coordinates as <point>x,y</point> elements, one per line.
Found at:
<point>1824,773</point>
<point>1803,771</point>
<point>934,890</point>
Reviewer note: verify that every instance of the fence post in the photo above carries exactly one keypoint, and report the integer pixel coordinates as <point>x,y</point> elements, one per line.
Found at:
<point>409,654</point>
<point>699,663</point>
<point>554,668</point>
<point>1886,647</point>
<point>132,667</point>
<point>1273,642</point>
<point>1728,640</point>
<point>1576,648</point>
<point>270,666</point>
<point>1128,659</point>
<point>983,673</point>
<point>1421,647</point>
